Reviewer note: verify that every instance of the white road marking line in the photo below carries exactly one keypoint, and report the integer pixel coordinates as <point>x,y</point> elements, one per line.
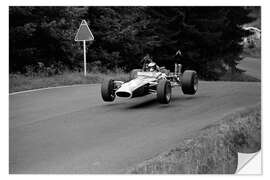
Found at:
<point>56,87</point>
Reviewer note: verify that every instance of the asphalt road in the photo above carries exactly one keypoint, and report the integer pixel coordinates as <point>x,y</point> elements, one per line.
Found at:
<point>71,130</point>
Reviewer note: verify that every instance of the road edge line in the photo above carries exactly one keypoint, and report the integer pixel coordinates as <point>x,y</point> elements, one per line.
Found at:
<point>48,88</point>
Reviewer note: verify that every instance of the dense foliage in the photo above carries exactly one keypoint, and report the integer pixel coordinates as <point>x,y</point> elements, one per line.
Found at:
<point>208,37</point>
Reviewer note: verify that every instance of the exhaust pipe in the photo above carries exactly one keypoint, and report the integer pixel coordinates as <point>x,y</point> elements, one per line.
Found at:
<point>177,69</point>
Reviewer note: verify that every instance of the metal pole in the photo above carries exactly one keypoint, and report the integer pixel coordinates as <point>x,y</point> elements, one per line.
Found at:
<point>84,57</point>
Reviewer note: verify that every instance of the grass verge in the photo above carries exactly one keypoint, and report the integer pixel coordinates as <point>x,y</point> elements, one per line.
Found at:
<point>19,82</point>
<point>213,150</point>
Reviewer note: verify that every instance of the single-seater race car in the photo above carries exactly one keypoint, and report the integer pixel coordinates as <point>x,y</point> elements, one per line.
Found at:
<point>159,82</point>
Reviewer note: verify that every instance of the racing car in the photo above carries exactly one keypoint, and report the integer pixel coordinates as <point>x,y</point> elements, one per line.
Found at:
<point>143,82</point>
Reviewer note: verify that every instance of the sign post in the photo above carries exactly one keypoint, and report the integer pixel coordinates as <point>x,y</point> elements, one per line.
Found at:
<point>84,34</point>
<point>84,57</point>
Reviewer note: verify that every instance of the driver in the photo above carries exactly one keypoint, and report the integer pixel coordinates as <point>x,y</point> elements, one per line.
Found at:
<point>145,61</point>
<point>152,67</point>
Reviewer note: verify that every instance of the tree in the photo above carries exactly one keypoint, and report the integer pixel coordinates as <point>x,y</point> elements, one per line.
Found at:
<point>208,37</point>
<point>42,34</point>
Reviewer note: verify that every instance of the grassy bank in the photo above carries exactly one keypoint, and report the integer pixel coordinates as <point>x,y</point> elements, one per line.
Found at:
<point>213,150</point>
<point>19,82</point>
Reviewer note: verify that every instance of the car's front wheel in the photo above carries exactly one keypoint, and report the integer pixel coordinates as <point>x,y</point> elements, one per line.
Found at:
<point>164,92</point>
<point>107,90</point>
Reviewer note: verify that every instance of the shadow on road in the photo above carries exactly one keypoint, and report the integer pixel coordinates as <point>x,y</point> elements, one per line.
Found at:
<point>154,103</point>
<point>186,98</point>
<point>149,102</point>
<point>144,104</point>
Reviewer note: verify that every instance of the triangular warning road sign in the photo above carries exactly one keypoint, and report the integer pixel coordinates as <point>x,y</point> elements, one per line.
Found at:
<point>84,33</point>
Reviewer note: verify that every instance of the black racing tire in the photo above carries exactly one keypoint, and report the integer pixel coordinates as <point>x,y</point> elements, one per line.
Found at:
<point>164,92</point>
<point>190,82</point>
<point>133,73</point>
<point>107,90</point>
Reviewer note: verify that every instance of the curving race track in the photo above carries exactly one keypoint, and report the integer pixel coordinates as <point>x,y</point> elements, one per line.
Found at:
<point>71,130</point>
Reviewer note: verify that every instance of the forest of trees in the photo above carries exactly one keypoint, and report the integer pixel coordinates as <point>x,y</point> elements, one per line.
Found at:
<point>208,37</point>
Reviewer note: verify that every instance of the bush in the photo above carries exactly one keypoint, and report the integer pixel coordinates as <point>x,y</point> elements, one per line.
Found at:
<point>44,71</point>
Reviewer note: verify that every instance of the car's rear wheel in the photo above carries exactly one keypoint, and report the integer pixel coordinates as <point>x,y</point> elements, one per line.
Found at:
<point>164,92</point>
<point>107,90</point>
<point>190,82</point>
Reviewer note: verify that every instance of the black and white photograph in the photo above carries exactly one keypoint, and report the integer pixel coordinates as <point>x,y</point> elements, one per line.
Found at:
<point>139,89</point>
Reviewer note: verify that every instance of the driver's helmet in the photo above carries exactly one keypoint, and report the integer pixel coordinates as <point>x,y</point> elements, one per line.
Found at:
<point>147,58</point>
<point>152,66</point>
